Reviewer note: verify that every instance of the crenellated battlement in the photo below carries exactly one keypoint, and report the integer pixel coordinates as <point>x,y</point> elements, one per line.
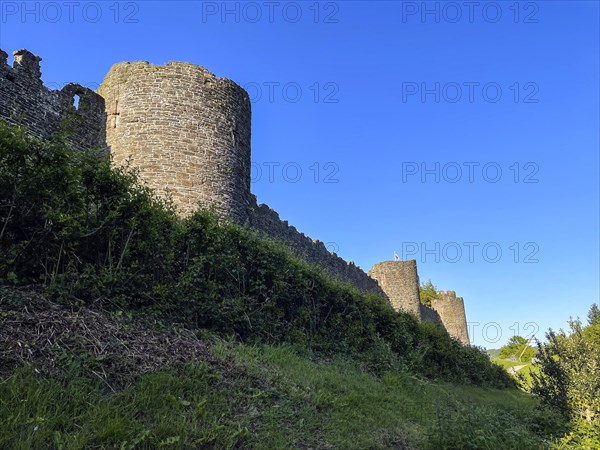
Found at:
<point>27,64</point>
<point>26,101</point>
<point>449,296</point>
<point>268,223</point>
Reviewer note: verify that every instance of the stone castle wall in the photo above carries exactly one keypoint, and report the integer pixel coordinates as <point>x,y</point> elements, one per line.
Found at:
<point>451,310</point>
<point>187,131</point>
<point>267,221</point>
<point>400,282</point>
<point>26,101</point>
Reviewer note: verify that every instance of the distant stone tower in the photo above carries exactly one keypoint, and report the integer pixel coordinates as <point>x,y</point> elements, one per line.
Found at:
<point>400,282</point>
<point>451,310</point>
<point>187,132</point>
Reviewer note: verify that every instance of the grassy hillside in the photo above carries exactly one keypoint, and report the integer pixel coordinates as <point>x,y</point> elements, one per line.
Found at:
<point>124,326</point>
<point>92,382</point>
<point>90,234</point>
<point>523,374</point>
<point>507,363</point>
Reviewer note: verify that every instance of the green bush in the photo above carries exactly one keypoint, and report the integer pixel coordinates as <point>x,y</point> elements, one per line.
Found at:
<point>581,436</point>
<point>75,224</point>
<point>428,292</point>
<point>92,233</point>
<point>567,379</point>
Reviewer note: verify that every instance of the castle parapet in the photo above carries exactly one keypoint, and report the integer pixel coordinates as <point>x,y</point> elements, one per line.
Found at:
<point>26,101</point>
<point>429,314</point>
<point>27,64</point>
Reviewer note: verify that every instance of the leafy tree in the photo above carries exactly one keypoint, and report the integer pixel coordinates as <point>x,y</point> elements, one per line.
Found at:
<point>569,371</point>
<point>515,346</point>
<point>592,331</point>
<point>594,315</point>
<point>428,292</point>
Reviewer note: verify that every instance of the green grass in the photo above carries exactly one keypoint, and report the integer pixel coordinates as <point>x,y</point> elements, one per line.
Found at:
<point>275,398</point>
<point>163,409</point>
<point>367,412</point>
<point>507,363</point>
<point>524,374</point>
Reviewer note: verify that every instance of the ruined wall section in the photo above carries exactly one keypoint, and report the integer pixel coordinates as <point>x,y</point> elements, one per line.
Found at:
<point>451,310</point>
<point>24,100</point>
<point>187,131</point>
<point>400,282</point>
<point>267,222</point>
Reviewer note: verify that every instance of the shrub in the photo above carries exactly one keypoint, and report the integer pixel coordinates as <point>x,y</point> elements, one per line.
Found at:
<point>90,232</point>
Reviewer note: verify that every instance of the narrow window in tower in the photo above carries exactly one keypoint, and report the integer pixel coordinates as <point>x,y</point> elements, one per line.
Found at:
<point>115,114</point>
<point>234,130</point>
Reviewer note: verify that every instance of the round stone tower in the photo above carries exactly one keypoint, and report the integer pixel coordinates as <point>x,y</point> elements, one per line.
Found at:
<point>187,131</point>
<point>451,310</point>
<point>400,282</point>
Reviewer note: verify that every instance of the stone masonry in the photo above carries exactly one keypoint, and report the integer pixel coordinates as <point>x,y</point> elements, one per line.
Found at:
<point>400,282</point>
<point>26,101</point>
<point>451,310</point>
<point>267,221</point>
<point>188,134</point>
<point>187,131</point>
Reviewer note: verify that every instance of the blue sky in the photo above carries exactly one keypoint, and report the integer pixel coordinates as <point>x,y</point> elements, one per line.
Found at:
<point>378,105</point>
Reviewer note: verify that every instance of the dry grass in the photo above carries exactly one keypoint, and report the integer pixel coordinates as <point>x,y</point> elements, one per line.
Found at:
<point>116,349</point>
